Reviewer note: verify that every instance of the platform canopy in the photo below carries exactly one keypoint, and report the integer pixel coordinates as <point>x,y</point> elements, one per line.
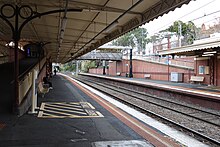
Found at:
<point>71,28</point>
<point>202,48</point>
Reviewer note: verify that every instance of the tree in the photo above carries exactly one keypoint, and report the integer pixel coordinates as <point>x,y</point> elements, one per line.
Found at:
<point>87,64</point>
<point>137,37</point>
<point>188,30</point>
<point>69,67</point>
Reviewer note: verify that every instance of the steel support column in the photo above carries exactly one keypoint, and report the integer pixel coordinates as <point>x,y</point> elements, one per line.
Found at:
<point>16,32</point>
<point>211,61</point>
<point>130,71</point>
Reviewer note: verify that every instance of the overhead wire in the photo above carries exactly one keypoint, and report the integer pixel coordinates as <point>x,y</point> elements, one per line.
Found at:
<point>184,16</point>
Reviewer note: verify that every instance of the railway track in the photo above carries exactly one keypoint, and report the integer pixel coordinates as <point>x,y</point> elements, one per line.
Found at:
<point>203,123</point>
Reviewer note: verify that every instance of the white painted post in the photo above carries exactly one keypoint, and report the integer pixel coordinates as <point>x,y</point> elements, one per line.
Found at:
<point>35,90</point>
<point>34,93</point>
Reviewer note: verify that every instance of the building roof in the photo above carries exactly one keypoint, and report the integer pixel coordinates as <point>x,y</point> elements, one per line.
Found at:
<point>194,49</point>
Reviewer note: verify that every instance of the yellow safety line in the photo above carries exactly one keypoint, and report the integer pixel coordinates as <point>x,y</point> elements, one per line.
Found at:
<point>51,115</point>
<point>99,114</point>
<point>87,111</point>
<point>71,116</point>
<point>40,114</point>
<point>79,106</point>
<point>58,112</point>
<point>90,106</point>
<point>65,107</point>
<point>76,103</point>
<point>42,106</point>
<point>63,110</point>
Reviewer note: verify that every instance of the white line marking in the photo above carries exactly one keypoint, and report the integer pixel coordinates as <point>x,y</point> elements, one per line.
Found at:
<point>45,108</point>
<point>70,104</point>
<point>90,105</point>
<point>65,107</point>
<point>40,114</point>
<point>58,112</point>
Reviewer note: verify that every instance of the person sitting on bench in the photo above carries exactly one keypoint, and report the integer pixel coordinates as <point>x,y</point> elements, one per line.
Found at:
<point>46,81</point>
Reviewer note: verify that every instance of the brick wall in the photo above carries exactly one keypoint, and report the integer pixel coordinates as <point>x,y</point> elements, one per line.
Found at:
<point>160,71</point>
<point>140,68</point>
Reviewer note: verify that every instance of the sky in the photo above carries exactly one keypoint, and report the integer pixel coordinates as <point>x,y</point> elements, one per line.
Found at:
<point>198,11</point>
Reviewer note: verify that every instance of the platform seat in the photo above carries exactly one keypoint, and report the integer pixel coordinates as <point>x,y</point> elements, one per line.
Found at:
<point>196,79</point>
<point>43,88</point>
<point>147,76</point>
<point>118,73</point>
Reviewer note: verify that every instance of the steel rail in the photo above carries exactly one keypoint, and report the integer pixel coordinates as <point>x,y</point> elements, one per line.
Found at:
<point>153,113</point>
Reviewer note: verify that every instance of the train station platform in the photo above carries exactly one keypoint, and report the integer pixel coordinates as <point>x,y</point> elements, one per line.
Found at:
<point>72,114</point>
<point>187,87</point>
<point>204,95</point>
<point>7,81</point>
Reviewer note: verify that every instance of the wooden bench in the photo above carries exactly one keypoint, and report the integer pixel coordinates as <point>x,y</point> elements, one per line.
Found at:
<point>198,79</point>
<point>147,76</point>
<point>43,88</point>
<point>118,73</point>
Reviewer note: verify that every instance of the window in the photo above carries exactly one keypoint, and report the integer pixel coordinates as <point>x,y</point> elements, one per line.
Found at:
<point>201,70</point>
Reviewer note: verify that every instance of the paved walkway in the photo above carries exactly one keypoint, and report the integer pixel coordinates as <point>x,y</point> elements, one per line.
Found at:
<point>68,117</point>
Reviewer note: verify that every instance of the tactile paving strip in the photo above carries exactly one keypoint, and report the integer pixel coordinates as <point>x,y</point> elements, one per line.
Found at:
<point>68,110</point>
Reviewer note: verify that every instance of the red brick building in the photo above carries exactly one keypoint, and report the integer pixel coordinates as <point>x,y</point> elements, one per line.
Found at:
<point>156,70</point>
<point>206,61</point>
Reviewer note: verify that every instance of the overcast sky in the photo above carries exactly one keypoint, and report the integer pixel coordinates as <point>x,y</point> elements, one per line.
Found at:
<point>200,11</point>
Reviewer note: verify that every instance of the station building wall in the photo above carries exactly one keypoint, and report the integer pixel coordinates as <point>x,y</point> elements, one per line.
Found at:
<point>206,63</point>
<point>157,71</point>
<point>160,71</point>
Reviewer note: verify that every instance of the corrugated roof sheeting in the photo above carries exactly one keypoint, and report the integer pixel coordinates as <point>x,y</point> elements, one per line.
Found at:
<point>86,28</point>
<point>191,48</point>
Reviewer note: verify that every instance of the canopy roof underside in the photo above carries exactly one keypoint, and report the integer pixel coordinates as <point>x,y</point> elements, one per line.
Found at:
<point>89,23</point>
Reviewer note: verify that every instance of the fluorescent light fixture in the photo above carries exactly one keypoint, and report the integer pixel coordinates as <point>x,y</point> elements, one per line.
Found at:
<point>61,40</point>
<point>91,10</point>
<point>208,55</point>
<point>112,26</point>
<point>213,52</point>
<point>61,34</point>
<point>63,26</point>
<point>64,22</point>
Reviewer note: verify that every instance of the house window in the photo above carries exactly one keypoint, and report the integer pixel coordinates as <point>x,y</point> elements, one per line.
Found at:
<point>201,70</point>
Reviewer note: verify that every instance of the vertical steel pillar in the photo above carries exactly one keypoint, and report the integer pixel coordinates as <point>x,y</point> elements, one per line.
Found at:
<point>168,70</point>
<point>130,71</point>
<point>211,61</point>
<point>16,31</point>
<point>104,73</point>
<point>16,37</point>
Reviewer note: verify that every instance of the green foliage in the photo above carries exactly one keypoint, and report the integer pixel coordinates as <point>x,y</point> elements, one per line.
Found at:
<point>69,67</point>
<point>188,30</point>
<point>138,36</point>
<point>85,65</point>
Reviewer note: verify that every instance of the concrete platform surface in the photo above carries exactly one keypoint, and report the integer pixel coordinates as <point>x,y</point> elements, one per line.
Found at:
<point>67,117</point>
